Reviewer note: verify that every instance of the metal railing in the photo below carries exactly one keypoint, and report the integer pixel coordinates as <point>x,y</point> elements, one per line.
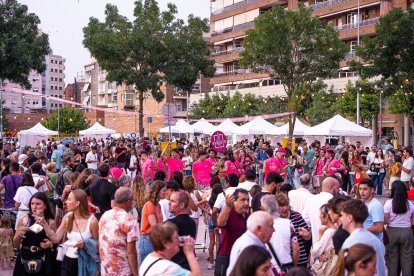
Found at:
<point>227,52</point>
<point>325,4</point>
<point>232,73</point>
<point>234,6</point>
<point>371,21</point>
<point>350,54</point>
<point>234,28</point>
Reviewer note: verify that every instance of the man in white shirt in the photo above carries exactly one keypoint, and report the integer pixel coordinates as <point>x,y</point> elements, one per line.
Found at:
<point>311,211</point>
<point>250,176</point>
<point>40,183</point>
<point>407,167</point>
<point>371,155</point>
<point>259,231</point>
<point>298,198</point>
<point>92,160</point>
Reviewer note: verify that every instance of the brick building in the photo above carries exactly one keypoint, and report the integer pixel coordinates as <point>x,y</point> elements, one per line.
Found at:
<point>230,19</point>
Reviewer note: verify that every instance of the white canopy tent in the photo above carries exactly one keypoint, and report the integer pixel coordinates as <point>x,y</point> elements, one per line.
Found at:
<point>338,126</point>
<point>97,131</point>
<point>179,126</point>
<point>227,127</point>
<point>299,129</point>
<point>258,126</point>
<point>30,137</point>
<point>201,126</point>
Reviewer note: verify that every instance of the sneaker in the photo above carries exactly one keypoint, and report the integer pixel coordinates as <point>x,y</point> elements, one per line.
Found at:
<point>210,266</point>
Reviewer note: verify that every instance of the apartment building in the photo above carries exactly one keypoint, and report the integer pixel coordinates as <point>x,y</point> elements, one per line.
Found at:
<point>53,81</point>
<point>230,19</point>
<point>97,91</point>
<point>49,83</point>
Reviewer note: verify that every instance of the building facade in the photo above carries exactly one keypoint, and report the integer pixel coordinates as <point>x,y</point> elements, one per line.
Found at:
<point>230,19</point>
<point>53,81</point>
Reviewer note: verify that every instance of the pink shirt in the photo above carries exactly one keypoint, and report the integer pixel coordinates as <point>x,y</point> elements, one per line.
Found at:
<point>233,167</point>
<point>160,165</point>
<point>173,165</point>
<point>201,171</point>
<point>116,172</point>
<point>276,165</point>
<point>319,166</point>
<point>334,164</point>
<point>145,166</point>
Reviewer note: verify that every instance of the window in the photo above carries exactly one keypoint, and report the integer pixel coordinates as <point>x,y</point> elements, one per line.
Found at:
<point>60,71</point>
<point>60,105</point>
<point>228,68</point>
<point>56,88</point>
<point>237,43</point>
<point>51,87</point>
<point>60,79</point>
<point>13,102</point>
<point>60,87</point>
<point>60,62</point>
<point>352,18</point>
<point>353,46</point>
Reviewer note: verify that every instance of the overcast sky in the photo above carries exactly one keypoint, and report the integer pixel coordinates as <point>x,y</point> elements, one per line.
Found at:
<point>64,20</point>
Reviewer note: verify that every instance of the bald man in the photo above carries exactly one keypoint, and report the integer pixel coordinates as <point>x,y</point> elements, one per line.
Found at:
<point>310,214</point>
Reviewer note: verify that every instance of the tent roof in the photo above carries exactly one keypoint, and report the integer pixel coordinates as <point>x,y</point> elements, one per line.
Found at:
<point>97,129</point>
<point>201,126</point>
<point>227,127</point>
<point>39,129</point>
<point>338,126</point>
<point>181,124</point>
<point>255,127</point>
<point>299,129</point>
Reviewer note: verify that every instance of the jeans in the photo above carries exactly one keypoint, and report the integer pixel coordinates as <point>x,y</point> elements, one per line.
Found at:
<point>378,179</point>
<point>222,263</point>
<point>261,178</point>
<point>144,247</point>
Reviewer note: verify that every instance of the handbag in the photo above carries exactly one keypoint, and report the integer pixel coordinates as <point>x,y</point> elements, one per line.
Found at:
<point>283,269</point>
<point>61,252</point>
<point>327,267</point>
<point>33,266</point>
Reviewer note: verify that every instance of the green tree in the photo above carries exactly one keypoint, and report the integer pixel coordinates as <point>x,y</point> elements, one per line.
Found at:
<point>239,105</point>
<point>71,120</point>
<point>149,51</point>
<point>210,106</point>
<point>391,57</point>
<point>369,100</point>
<point>294,47</point>
<point>21,47</point>
<point>321,107</point>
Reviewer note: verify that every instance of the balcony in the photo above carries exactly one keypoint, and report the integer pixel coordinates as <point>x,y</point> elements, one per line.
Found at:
<point>236,28</point>
<point>371,21</point>
<point>234,6</point>
<point>101,90</point>
<point>128,99</point>
<point>325,4</point>
<point>232,73</point>
<point>227,52</point>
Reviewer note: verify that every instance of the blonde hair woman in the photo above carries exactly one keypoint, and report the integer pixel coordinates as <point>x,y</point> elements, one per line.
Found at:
<point>78,224</point>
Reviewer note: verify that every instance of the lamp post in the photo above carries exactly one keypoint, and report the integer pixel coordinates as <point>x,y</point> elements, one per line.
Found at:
<point>358,92</point>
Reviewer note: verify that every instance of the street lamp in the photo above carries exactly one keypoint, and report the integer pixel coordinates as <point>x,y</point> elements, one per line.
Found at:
<point>358,38</point>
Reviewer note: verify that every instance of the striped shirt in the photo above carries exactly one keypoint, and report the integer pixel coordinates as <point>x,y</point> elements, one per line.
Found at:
<point>297,222</point>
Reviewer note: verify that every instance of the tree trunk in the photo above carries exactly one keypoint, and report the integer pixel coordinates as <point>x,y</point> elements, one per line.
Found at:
<point>374,129</point>
<point>292,119</point>
<point>406,136</point>
<point>141,113</point>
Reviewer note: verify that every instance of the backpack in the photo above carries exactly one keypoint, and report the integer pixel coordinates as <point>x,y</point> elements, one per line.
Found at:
<point>60,183</point>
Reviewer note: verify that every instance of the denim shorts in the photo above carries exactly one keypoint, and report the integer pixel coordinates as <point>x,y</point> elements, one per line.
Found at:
<point>210,224</point>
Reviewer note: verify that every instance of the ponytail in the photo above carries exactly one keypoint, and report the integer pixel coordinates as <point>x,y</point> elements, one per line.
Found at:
<point>340,265</point>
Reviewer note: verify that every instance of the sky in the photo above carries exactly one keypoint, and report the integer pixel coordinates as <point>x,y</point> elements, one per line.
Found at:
<point>64,20</point>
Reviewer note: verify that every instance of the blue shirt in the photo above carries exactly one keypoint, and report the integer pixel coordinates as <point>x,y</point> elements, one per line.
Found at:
<point>58,159</point>
<point>375,214</point>
<point>365,237</point>
<point>261,156</point>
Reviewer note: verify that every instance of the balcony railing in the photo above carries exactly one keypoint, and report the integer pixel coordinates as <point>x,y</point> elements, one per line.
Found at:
<point>350,26</point>
<point>234,6</point>
<point>227,52</point>
<point>232,73</point>
<point>234,28</point>
<point>350,54</point>
<point>325,4</point>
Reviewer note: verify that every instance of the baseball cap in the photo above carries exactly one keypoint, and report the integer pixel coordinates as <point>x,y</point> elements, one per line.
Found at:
<point>281,150</point>
<point>22,158</point>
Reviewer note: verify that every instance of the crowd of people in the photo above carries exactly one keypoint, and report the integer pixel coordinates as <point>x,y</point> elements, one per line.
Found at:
<point>130,207</point>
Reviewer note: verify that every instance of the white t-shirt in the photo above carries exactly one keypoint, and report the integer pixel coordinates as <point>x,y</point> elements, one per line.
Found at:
<point>221,200</point>
<point>166,215</point>
<point>194,215</point>
<point>92,157</point>
<point>247,185</point>
<point>408,164</point>
<point>187,162</point>
<point>162,267</point>
<point>36,179</point>
<point>23,195</point>
<point>399,220</point>
<point>379,162</point>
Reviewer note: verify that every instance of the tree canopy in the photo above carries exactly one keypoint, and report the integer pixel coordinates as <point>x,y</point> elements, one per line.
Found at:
<point>294,47</point>
<point>149,51</point>
<point>22,48</point>
<point>71,120</point>
<point>391,57</point>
